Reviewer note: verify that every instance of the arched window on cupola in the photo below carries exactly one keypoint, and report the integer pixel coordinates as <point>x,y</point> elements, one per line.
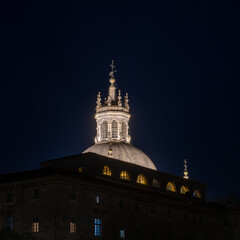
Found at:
<point>124,175</point>
<point>124,131</point>
<point>107,171</point>
<point>156,183</point>
<point>196,194</point>
<point>184,189</point>
<point>141,179</point>
<point>171,187</point>
<point>114,129</point>
<point>104,130</point>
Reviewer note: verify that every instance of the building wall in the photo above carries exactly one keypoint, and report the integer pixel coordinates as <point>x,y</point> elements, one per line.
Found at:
<point>144,213</point>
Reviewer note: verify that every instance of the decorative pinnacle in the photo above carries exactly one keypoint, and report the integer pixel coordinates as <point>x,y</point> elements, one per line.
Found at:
<point>111,74</point>
<point>119,99</point>
<point>126,104</point>
<point>185,170</point>
<point>98,101</point>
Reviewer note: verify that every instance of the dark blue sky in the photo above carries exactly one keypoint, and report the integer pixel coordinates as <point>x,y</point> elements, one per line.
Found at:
<point>178,60</point>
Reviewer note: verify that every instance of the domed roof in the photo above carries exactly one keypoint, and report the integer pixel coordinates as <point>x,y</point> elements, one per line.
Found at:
<point>124,152</point>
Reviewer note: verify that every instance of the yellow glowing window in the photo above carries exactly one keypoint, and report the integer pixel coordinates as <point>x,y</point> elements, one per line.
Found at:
<point>184,190</point>
<point>124,175</point>
<point>196,194</point>
<point>73,228</point>
<point>141,179</point>
<point>35,226</point>
<point>171,187</point>
<point>80,169</point>
<point>107,171</point>
<point>156,183</point>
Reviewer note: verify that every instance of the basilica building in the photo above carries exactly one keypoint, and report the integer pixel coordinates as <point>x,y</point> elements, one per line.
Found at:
<point>112,191</point>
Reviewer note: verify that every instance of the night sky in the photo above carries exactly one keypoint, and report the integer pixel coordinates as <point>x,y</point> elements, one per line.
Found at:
<point>178,60</point>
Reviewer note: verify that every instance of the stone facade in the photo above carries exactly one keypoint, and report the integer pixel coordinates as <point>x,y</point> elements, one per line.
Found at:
<point>74,190</point>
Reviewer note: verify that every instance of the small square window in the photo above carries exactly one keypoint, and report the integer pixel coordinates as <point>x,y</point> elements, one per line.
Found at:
<point>122,234</point>
<point>73,226</point>
<point>9,223</point>
<point>35,225</point>
<point>97,199</point>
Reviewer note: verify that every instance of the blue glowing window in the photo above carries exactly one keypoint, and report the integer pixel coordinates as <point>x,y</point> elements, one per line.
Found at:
<point>98,227</point>
<point>122,234</point>
<point>9,223</point>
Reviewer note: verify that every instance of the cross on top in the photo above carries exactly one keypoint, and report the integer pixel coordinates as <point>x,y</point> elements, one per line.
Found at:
<point>111,74</point>
<point>185,162</point>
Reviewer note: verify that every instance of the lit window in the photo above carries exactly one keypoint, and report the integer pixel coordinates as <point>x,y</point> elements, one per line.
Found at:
<point>171,187</point>
<point>124,131</point>
<point>97,199</point>
<point>156,183</point>
<point>184,190</point>
<point>9,223</point>
<point>122,234</point>
<point>196,194</point>
<point>80,169</point>
<point>107,171</point>
<point>104,130</point>
<point>114,129</point>
<point>35,225</point>
<point>141,179</point>
<point>98,227</point>
<point>124,175</point>
<point>73,228</point>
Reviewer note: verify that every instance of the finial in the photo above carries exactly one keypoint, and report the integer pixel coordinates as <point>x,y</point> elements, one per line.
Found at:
<point>110,150</point>
<point>126,100</point>
<point>109,101</point>
<point>98,101</point>
<point>185,170</point>
<point>112,87</point>
<point>111,74</point>
<point>119,98</point>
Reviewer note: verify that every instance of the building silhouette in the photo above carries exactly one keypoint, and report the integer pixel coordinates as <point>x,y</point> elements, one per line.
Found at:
<point>112,191</point>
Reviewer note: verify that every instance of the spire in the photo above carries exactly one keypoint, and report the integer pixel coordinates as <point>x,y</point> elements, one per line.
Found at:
<point>112,88</point>
<point>185,172</point>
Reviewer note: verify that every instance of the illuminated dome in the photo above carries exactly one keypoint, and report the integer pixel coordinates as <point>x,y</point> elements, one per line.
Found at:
<point>122,151</point>
<point>112,135</point>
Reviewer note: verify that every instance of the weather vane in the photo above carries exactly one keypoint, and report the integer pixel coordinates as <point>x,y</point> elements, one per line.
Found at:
<point>111,74</point>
